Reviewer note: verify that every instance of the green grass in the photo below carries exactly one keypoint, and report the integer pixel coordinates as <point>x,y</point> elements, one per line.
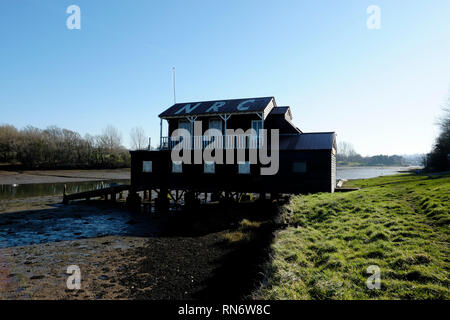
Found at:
<point>244,232</point>
<point>399,223</point>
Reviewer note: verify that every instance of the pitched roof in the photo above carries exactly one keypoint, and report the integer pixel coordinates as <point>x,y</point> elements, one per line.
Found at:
<point>234,106</point>
<point>280,110</point>
<point>308,141</point>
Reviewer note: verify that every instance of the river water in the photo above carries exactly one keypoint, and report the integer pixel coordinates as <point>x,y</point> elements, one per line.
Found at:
<point>368,172</point>
<point>8,191</point>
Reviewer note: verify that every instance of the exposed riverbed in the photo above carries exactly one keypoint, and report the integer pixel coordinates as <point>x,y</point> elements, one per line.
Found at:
<point>121,255</point>
<point>61,176</point>
<point>24,184</point>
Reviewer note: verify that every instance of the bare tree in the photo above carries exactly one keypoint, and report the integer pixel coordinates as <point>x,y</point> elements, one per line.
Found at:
<point>346,149</point>
<point>439,157</point>
<point>9,138</point>
<point>56,147</point>
<point>138,139</point>
<point>110,139</point>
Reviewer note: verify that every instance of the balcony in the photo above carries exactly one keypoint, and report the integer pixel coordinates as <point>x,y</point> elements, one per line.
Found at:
<point>242,141</point>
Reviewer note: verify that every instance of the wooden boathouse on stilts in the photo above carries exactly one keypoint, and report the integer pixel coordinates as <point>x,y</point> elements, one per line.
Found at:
<point>306,162</point>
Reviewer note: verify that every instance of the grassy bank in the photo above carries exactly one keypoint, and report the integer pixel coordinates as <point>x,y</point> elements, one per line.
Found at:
<point>399,223</point>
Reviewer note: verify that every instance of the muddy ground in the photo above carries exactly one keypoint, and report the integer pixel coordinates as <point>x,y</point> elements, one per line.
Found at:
<point>61,176</point>
<point>124,255</point>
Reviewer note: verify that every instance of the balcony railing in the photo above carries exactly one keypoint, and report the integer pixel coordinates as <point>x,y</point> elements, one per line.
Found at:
<point>214,142</point>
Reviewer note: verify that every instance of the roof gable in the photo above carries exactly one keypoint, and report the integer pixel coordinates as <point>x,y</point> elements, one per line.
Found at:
<point>234,106</point>
<point>286,111</point>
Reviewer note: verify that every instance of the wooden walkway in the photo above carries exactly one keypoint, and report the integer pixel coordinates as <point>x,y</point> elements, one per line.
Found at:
<point>340,187</point>
<point>112,191</point>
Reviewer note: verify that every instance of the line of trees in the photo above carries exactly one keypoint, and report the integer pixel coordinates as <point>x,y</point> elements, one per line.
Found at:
<point>438,158</point>
<point>346,155</point>
<point>55,147</point>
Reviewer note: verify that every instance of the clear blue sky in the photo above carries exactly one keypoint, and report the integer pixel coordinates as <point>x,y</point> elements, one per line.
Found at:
<point>380,90</point>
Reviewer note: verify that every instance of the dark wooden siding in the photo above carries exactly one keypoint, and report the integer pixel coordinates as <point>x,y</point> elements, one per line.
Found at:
<point>318,176</point>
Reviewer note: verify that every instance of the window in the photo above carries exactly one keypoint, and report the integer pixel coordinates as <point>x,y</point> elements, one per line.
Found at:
<point>244,167</point>
<point>147,166</point>
<point>185,141</point>
<point>299,167</point>
<point>215,124</point>
<point>257,125</point>
<point>183,124</point>
<point>214,141</point>
<point>209,167</point>
<point>177,167</point>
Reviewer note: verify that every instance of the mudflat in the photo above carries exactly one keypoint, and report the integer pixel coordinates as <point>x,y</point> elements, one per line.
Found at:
<point>40,239</point>
<point>61,176</point>
<point>124,255</point>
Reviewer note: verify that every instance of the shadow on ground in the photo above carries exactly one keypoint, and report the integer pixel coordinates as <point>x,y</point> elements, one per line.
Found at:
<point>192,258</point>
<point>180,255</point>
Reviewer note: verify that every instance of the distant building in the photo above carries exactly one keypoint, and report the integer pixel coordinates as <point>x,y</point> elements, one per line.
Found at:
<point>307,161</point>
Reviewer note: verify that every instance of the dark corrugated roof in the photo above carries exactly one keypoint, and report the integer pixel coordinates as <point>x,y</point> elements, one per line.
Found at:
<point>217,107</point>
<point>279,110</point>
<point>308,141</point>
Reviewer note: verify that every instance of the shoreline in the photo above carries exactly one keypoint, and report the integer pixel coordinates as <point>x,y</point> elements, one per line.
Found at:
<point>61,176</point>
<point>378,166</point>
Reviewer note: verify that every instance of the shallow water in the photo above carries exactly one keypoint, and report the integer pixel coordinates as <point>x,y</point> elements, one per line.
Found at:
<point>62,223</point>
<point>8,191</point>
<point>367,172</point>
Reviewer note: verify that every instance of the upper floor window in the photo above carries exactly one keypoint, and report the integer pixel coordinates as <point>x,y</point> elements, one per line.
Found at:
<point>184,124</point>
<point>257,125</point>
<point>215,124</point>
